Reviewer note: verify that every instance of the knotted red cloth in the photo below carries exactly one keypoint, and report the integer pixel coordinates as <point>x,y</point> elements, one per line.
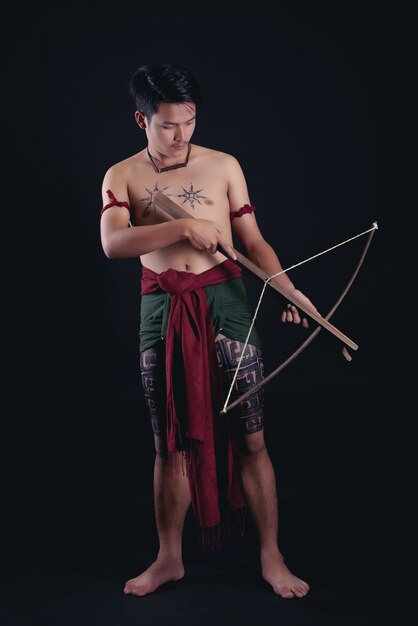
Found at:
<point>114,202</point>
<point>247,208</point>
<point>194,393</point>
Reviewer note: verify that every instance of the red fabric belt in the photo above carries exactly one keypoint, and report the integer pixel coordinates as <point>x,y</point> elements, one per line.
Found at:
<point>194,392</point>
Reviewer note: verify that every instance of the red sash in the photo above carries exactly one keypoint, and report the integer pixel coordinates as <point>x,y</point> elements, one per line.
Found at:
<point>194,393</point>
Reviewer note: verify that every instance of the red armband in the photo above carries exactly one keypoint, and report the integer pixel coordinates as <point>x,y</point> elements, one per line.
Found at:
<point>114,202</point>
<point>247,208</point>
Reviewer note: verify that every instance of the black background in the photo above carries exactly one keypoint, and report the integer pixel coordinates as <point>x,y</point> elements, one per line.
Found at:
<point>317,105</point>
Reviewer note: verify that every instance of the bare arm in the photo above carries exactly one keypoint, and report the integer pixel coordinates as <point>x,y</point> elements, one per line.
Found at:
<point>257,248</point>
<point>246,228</point>
<point>119,240</point>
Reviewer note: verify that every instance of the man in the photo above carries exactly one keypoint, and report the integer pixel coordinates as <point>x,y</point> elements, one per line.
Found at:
<point>194,322</point>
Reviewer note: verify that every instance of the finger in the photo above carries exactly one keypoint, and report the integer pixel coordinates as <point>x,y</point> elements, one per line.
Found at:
<point>229,251</point>
<point>296,316</point>
<point>289,316</point>
<point>305,323</point>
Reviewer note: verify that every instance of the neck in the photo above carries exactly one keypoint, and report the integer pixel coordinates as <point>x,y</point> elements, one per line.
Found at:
<point>162,163</point>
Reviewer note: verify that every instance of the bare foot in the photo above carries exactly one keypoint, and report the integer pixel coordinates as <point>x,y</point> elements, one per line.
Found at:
<point>277,574</point>
<point>157,574</point>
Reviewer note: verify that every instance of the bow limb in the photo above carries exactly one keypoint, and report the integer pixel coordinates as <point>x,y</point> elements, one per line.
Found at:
<point>311,337</point>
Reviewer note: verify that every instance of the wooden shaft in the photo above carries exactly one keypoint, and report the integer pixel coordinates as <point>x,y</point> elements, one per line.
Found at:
<point>175,211</point>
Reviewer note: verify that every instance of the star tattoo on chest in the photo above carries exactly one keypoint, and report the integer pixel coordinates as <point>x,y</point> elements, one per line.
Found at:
<point>150,198</point>
<point>192,196</point>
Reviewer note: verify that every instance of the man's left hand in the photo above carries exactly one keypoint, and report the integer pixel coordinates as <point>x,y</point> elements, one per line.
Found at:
<point>291,312</point>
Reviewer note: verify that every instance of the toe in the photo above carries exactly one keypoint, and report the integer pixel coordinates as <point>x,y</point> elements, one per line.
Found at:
<point>304,589</point>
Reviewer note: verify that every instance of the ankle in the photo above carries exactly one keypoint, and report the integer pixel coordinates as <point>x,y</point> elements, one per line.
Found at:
<point>270,550</point>
<point>170,554</point>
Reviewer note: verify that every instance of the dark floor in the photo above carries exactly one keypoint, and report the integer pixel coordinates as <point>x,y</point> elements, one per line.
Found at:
<point>355,580</point>
<point>220,589</point>
<point>79,522</point>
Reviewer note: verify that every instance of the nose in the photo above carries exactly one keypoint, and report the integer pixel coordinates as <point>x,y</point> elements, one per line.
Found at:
<point>180,133</point>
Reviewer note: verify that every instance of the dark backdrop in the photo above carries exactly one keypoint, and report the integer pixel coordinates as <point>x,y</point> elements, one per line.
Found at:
<point>316,103</point>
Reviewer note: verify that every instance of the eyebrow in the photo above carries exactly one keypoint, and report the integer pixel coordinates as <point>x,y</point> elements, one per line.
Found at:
<point>175,124</point>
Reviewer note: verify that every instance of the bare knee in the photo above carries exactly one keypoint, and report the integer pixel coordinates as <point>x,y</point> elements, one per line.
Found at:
<point>250,447</point>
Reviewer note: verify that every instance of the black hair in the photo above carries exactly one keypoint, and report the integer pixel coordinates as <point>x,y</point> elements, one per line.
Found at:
<point>152,84</point>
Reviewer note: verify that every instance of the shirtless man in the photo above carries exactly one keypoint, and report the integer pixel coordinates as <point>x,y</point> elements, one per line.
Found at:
<point>209,185</point>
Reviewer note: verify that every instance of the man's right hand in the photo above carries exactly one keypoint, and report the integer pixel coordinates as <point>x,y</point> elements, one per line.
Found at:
<point>206,235</point>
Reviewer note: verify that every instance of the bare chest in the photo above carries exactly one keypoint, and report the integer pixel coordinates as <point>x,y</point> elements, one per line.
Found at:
<point>202,194</point>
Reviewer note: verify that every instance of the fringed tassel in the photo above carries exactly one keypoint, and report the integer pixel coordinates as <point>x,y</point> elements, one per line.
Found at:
<point>210,538</point>
<point>226,526</point>
<point>241,516</point>
<point>185,461</point>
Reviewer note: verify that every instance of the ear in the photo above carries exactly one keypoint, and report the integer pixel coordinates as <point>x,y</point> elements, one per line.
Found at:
<point>140,119</point>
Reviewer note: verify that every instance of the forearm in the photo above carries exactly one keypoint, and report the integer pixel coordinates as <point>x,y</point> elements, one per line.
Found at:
<point>138,240</point>
<point>263,255</point>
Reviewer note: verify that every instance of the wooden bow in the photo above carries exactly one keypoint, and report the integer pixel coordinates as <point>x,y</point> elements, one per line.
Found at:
<point>312,336</point>
<point>173,210</point>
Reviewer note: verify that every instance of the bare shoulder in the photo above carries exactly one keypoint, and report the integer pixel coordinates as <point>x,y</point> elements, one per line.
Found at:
<point>222,163</point>
<point>218,156</point>
<point>122,169</point>
<point>118,176</point>
<point>116,179</point>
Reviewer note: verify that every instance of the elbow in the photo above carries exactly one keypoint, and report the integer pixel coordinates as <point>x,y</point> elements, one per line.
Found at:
<point>109,254</point>
<point>256,246</point>
<point>109,249</point>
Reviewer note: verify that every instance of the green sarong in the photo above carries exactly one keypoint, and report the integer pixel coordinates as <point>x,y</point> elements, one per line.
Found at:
<point>228,305</point>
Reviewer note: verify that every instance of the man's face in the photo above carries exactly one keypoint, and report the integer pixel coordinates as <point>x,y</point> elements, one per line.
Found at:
<point>171,127</point>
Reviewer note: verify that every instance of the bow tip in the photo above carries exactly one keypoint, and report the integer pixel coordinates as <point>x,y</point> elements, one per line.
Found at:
<point>346,354</point>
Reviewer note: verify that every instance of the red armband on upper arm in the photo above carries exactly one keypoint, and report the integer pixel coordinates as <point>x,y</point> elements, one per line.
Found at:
<point>114,202</point>
<point>247,208</point>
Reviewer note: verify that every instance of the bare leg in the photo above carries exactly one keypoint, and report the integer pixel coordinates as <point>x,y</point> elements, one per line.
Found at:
<point>172,500</point>
<point>259,486</point>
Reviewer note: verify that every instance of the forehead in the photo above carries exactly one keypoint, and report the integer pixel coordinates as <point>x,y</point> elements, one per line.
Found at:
<point>176,112</point>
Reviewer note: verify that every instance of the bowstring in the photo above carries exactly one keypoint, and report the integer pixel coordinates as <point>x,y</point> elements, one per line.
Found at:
<point>266,282</point>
